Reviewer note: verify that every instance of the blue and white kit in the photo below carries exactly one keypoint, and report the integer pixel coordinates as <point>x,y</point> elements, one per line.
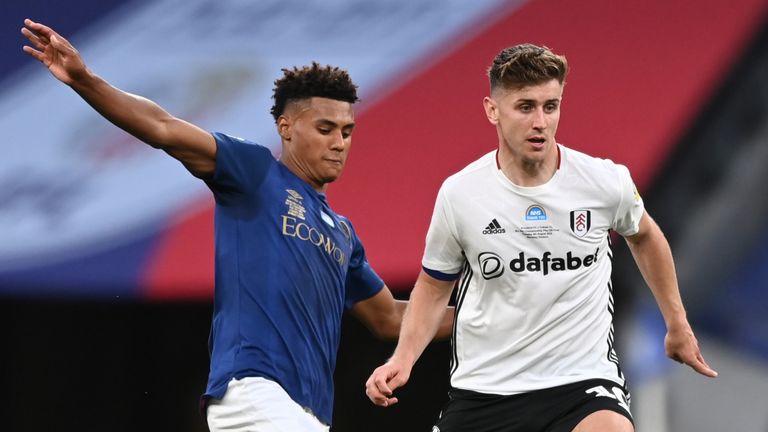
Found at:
<point>287,267</point>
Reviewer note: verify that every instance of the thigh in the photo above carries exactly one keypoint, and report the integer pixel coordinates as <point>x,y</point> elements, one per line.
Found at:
<point>605,421</point>
<point>259,405</point>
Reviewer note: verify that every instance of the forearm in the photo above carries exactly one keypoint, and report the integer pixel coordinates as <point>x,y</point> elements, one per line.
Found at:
<point>445,324</point>
<point>445,328</point>
<point>424,316</point>
<point>654,260</point>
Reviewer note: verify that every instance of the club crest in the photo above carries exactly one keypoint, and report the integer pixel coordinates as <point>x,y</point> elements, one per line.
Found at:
<point>581,222</point>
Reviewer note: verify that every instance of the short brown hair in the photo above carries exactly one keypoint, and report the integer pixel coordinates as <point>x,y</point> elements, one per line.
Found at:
<point>312,81</point>
<point>526,64</point>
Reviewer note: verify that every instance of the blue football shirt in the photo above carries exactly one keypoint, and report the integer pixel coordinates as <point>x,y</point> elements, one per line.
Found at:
<point>287,267</point>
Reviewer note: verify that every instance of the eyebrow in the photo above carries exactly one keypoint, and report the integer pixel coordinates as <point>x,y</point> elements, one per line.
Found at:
<point>535,101</point>
<point>331,123</point>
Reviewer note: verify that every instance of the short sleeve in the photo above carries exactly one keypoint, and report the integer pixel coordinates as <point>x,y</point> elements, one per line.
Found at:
<point>362,281</point>
<point>240,166</point>
<point>630,209</point>
<point>443,255</point>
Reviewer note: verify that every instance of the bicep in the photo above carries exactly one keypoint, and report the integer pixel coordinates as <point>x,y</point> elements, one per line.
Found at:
<point>191,145</point>
<point>649,238</point>
<point>437,289</point>
<point>645,227</point>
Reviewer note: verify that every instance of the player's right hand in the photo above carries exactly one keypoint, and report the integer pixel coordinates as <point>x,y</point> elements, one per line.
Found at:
<point>54,51</point>
<point>682,346</point>
<point>384,381</point>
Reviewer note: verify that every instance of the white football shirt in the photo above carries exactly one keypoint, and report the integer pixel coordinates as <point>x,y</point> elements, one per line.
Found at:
<point>534,302</point>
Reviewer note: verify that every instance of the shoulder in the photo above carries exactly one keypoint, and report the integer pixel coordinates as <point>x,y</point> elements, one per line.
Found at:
<point>472,174</point>
<point>581,159</point>
<point>240,164</point>
<point>237,144</point>
<point>587,166</point>
<point>601,177</point>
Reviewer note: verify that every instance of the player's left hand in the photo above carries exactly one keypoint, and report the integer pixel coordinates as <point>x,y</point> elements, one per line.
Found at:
<point>681,345</point>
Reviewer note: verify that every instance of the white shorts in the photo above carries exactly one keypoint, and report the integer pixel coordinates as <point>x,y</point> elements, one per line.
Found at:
<point>257,404</point>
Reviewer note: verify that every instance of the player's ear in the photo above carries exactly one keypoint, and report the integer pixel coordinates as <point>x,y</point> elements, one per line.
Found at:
<point>284,128</point>
<point>491,110</point>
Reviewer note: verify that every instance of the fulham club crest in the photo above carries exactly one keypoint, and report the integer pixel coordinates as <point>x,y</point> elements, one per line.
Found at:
<point>581,222</point>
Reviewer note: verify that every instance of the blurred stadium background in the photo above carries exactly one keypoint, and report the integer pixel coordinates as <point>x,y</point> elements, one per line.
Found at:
<point>106,263</point>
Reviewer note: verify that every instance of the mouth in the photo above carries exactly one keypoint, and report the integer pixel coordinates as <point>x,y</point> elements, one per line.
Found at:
<point>537,141</point>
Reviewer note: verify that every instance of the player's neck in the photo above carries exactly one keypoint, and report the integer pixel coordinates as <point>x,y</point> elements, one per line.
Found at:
<point>528,172</point>
<point>303,173</point>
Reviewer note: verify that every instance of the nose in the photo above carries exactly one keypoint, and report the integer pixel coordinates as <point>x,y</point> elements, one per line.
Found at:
<point>338,141</point>
<point>539,119</point>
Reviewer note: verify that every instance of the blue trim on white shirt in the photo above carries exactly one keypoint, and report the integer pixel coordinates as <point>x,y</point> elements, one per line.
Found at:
<point>440,275</point>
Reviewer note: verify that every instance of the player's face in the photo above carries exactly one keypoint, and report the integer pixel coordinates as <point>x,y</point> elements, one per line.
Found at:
<point>526,119</point>
<point>317,135</point>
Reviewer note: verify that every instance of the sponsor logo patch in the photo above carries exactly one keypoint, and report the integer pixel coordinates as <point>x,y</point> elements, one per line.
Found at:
<point>492,265</point>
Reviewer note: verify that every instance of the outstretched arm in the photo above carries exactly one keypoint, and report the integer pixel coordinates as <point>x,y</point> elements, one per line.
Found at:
<point>140,117</point>
<point>383,316</point>
<point>653,256</point>
<point>423,317</point>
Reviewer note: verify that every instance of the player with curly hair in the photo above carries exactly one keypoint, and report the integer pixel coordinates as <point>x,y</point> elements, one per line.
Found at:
<point>287,266</point>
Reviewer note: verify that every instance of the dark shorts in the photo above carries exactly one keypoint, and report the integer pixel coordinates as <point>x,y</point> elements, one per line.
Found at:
<point>557,409</point>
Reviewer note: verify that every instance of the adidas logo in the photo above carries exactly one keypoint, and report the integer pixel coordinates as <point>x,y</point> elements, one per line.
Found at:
<point>494,228</point>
